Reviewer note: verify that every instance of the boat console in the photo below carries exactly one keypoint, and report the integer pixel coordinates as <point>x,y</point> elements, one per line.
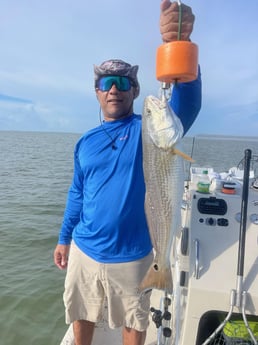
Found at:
<point>206,262</point>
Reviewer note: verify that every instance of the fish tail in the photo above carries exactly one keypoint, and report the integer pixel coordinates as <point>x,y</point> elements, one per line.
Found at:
<point>156,278</point>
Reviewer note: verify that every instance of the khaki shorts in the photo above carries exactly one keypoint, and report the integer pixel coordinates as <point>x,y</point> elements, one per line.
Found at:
<point>90,285</point>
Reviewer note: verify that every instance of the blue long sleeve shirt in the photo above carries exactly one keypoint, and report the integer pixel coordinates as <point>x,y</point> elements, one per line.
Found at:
<point>104,212</point>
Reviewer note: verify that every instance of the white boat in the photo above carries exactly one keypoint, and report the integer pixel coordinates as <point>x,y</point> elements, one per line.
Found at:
<point>215,268</point>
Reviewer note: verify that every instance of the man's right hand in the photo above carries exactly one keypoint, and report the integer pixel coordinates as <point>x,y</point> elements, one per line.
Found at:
<point>169,18</point>
<point>61,256</point>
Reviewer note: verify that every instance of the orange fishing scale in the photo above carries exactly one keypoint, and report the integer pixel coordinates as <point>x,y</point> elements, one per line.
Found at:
<point>177,61</point>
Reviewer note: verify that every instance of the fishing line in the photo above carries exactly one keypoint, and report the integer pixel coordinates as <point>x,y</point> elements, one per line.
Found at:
<point>180,12</point>
<point>113,145</point>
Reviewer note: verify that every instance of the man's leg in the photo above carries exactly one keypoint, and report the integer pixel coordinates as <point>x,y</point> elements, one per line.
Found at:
<point>83,332</point>
<point>133,337</point>
<point>125,303</point>
<point>83,295</point>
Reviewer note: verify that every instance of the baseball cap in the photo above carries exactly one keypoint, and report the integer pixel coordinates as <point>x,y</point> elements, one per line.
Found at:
<point>118,67</point>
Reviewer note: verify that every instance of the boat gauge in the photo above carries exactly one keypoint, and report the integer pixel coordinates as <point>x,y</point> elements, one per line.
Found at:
<point>212,205</point>
<point>254,218</point>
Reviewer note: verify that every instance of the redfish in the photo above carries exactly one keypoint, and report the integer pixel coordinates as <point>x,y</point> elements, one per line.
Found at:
<point>164,180</point>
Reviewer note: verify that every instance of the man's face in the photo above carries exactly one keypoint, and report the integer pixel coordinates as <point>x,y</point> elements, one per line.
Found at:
<point>116,104</point>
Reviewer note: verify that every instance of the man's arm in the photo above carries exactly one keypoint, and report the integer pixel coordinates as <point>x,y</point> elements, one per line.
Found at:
<point>72,214</point>
<point>74,203</point>
<point>186,97</point>
<point>186,101</point>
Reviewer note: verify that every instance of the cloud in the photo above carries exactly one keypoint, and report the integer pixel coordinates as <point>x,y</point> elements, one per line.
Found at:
<point>56,44</point>
<point>22,114</point>
<point>14,100</point>
<point>227,119</point>
<point>15,111</point>
<point>32,79</point>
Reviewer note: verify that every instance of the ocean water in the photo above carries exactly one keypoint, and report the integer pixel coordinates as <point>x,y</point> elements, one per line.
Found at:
<point>35,173</point>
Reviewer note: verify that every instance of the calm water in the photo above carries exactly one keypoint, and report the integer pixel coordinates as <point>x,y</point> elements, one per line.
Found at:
<point>35,173</point>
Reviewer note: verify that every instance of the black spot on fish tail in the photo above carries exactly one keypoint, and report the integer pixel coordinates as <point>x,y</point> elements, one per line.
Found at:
<point>159,278</point>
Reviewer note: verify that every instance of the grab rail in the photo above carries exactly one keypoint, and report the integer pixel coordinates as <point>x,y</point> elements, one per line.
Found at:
<point>197,259</point>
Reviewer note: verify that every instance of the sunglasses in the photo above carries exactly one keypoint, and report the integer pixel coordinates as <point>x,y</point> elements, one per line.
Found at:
<point>121,83</point>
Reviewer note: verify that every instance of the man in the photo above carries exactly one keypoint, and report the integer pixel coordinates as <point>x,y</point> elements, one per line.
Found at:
<point>104,229</point>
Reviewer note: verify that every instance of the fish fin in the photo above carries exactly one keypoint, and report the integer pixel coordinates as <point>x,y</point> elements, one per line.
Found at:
<point>156,278</point>
<point>183,155</point>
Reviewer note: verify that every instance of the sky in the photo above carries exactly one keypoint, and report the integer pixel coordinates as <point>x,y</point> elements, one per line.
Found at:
<point>48,49</point>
